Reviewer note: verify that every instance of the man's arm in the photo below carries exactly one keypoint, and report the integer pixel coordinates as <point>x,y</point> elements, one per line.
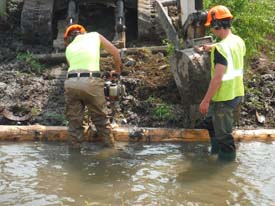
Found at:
<point>214,85</point>
<point>109,47</point>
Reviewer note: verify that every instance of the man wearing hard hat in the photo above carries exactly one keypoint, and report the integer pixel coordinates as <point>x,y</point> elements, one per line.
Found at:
<point>84,86</point>
<point>226,87</point>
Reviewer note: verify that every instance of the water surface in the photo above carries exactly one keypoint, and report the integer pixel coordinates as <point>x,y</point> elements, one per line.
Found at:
<point>42,174</point>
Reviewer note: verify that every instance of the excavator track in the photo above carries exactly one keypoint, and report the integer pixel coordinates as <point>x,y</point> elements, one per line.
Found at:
<point>148,27</point>
<point>36,21</point>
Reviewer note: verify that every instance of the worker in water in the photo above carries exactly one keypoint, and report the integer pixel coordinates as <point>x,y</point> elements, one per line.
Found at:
<point>84,86</point>
<point>226,87</point>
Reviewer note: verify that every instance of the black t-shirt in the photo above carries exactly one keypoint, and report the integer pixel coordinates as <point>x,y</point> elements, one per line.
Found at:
<point>219,58</point>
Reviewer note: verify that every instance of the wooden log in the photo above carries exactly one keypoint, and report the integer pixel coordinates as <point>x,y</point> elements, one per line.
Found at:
<point>267,135</point>
<point>60,57</point>
<point>159,134</point>
<point>33,133</point>
<point>126,134</point>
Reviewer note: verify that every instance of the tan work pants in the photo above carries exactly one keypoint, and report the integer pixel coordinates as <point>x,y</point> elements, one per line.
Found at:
<point>89,92</point>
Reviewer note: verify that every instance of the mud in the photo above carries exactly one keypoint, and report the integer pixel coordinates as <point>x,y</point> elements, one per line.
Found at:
<point>152,98</point>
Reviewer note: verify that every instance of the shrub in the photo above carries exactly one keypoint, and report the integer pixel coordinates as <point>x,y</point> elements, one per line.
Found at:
<point>32,63</point>
<point>253,21</point>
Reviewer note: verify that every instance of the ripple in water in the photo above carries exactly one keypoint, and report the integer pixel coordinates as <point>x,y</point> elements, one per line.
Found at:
<point>36,174</point>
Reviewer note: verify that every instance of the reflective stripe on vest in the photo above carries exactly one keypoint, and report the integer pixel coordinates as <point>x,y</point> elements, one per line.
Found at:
<point>84,52</point>
<point>233,49</point>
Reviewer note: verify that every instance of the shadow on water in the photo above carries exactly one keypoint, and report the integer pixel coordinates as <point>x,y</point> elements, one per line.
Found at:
<point>203,166</point>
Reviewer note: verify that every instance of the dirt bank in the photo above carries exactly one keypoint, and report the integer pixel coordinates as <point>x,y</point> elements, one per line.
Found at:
<point>152,98</point>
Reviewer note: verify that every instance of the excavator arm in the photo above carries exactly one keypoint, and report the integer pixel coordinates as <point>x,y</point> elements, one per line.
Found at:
<point>191,31</point>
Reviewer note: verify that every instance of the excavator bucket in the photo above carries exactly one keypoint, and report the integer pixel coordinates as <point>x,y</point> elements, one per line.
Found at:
<point>191,71</point>
<point>189,64</point>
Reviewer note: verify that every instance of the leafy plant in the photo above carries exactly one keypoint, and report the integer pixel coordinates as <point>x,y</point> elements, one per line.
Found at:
<point>163,112</point>
<point>34,64</point>
<point>170,47</point>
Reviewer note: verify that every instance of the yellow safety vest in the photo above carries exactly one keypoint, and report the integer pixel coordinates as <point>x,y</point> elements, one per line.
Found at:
<point>233,49</point>
<point>84,52</point>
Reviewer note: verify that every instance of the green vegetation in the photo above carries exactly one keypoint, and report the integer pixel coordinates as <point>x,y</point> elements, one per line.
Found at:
<point>253,21</point>
<point>170,47</point>
<point>28,58</point>
<point>161,110</point>
<point>60,119</point>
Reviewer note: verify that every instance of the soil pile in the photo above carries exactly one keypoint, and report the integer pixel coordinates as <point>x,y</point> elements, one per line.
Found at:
<point>152,100</point>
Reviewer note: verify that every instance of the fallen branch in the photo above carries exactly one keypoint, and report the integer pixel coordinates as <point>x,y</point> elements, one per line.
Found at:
<point>59,133</point>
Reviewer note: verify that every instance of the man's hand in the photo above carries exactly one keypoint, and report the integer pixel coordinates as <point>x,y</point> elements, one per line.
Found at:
<point>204,105</point>
<point>207,47</point>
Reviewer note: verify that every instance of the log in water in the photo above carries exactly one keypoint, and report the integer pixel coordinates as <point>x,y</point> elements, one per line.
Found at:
<point>124,134</point>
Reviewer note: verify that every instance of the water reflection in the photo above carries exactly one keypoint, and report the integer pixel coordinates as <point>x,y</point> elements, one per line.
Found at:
<point>35,174</point>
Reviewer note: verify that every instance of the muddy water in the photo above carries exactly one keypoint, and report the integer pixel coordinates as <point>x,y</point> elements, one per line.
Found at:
<point>38,174</point>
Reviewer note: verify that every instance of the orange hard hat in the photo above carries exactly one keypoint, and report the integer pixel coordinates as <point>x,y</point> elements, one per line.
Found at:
<point>73,27</point>
<point>219,12</point>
